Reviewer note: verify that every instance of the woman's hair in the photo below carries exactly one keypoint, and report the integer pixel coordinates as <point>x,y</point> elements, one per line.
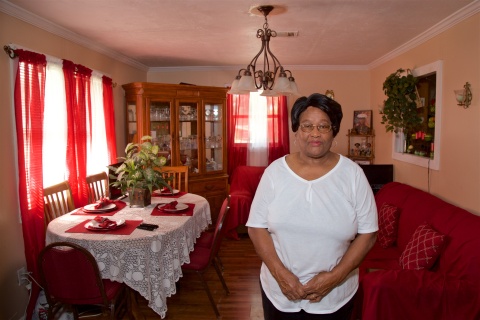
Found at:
<point>332,108</point>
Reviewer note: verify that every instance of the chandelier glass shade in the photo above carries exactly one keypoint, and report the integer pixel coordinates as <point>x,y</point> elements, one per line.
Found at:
<point>270,77</point>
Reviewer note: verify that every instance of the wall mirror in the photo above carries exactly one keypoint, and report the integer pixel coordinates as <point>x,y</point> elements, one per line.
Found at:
<point>423,148</point>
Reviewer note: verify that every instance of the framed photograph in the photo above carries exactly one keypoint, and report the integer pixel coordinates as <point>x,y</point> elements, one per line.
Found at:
<point>362,121</point>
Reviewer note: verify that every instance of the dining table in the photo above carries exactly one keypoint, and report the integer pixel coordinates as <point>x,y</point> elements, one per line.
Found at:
<point>147,260</point>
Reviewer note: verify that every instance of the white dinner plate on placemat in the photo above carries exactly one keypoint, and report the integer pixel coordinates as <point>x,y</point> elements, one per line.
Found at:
<point>179,207</point>
<point>167,192</point>
<point>91,207</point>
<point>94,225</point>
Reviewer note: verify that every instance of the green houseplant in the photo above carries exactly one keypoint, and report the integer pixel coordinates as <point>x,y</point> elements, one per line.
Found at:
<point>400,108</point>
<point>137,174</point>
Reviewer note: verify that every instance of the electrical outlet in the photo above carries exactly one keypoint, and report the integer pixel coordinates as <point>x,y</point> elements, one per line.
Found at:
<point>22,276</point>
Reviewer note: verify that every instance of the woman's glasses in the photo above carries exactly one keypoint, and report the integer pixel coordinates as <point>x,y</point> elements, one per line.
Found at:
<point>322,128</point>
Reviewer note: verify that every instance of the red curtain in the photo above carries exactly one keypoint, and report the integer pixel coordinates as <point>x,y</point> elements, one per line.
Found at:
<point>237,152</point>
<point>109,112</point>
<point>278,134</point>
<point>238,133</point>
<point>77,90</point>
<point>29,106</point>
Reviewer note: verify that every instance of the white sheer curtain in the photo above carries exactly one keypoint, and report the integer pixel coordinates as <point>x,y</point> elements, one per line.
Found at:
<point>257,153</point>
<point>97,151</point>
<point>55,124</point>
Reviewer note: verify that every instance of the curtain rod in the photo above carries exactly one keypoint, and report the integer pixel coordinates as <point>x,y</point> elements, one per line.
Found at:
<point>10,51</point>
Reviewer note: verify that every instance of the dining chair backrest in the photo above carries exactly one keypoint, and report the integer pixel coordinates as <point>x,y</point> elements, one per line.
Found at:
<point>219,231</point>
<point>178,176</point>
<point>58,200</point>
<point>70,275</point>
<point>97,186</point>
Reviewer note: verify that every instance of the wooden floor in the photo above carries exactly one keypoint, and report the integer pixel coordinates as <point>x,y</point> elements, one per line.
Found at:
<point>242,269</point>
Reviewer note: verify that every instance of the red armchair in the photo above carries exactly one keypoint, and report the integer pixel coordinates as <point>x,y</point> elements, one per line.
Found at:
<point>243,186</point>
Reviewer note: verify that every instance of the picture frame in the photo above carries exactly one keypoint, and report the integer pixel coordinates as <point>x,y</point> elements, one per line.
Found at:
<point>362,121</point>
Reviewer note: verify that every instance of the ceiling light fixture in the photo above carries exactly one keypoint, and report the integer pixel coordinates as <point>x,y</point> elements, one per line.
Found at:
<point>256,77</point>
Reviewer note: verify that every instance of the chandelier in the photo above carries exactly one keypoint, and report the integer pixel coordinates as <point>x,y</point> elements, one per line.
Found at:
<point>271,77</point>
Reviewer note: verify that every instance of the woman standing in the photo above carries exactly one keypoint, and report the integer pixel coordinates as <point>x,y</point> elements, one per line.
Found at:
<point>312,221</point>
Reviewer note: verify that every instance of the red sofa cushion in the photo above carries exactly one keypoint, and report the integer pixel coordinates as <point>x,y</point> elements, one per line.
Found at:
<point>387,225</point>
<point>423,249</point>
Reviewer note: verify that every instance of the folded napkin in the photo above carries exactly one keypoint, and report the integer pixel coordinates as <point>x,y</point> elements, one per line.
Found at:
<point>103,202</point>
<point>172,205</point>
<point>105,223</point>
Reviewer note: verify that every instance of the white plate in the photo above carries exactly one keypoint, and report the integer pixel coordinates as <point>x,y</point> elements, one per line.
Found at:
<point>166,193</point>
<point>94,225</point>
<point>179,207</point>
<point>91,207</point>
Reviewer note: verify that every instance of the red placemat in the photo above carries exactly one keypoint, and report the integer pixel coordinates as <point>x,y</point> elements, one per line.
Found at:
<point>187,212</point>
<point>120,206</point>
<point>178,195</point>
<point>126,229</point>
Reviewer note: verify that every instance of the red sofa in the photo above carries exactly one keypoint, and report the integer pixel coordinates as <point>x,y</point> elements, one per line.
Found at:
<point>244,183</point>
<point>450,289</point>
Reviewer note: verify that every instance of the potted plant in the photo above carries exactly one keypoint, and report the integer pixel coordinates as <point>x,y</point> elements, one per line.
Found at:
<point>399,112</point>
<point>137,174</point>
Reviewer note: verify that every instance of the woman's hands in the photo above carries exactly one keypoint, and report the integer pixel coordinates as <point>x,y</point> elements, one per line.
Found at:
<point>319,286</point>
<point>291,287</point>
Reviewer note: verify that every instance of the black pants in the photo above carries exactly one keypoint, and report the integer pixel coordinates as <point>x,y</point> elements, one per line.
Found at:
<point>272,313</point>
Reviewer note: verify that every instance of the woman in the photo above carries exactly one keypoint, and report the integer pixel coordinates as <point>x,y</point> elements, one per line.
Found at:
<point>312,221</point>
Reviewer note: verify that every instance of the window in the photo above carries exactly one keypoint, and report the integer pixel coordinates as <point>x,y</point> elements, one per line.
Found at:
<point>257,129</point>
<point>428,74</point>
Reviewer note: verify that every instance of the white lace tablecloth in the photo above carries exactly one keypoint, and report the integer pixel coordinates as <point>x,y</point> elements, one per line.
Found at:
<point>147,261</point>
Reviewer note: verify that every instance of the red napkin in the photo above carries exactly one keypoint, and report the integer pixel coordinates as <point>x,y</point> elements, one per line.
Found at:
<point>171,205</point>
<point>105,223</point>
<point>103,202</point>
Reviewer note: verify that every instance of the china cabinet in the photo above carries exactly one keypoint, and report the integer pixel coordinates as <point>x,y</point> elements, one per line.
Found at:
<point>189,124</point>
<point>361,147</point>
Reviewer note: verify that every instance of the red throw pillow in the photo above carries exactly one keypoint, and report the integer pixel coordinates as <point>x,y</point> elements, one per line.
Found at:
<point>387,225</point>
<point>423,248</point>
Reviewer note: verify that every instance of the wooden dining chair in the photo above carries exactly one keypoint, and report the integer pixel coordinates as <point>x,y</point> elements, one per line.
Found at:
<point>202,257</point>
<point>97,186</point>
<point>58,200</point>
<point>178,176</point>
<point>70,277</point>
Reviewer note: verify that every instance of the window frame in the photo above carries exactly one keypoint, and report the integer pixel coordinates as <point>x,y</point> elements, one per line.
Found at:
<point>398,139</point>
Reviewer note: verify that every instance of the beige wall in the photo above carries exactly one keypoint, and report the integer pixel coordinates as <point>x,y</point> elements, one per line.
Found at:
<point>457,181</point>
<point>12,297</point>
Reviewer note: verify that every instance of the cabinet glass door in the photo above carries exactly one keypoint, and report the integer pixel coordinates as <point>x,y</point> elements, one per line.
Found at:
<point>188,135</point>
<point>131,121</point>
<point>160,128</point>
<point>214,138</point>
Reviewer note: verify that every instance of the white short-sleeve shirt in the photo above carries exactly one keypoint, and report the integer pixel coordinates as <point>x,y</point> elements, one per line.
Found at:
<point>312,224</point>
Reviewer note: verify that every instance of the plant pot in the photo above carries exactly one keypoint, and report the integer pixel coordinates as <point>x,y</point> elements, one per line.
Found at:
<point>139,197</point>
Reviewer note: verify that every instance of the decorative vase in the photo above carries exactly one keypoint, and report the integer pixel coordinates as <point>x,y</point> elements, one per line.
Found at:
<point>139,197</point>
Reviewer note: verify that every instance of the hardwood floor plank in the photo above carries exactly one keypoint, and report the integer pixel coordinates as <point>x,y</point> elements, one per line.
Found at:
<point>241,273</point>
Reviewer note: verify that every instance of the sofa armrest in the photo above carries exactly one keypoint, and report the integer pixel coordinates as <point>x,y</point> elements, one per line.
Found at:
<point>418,294</point>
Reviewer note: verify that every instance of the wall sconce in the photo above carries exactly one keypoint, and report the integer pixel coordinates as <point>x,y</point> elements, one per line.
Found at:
<point>464,96</point>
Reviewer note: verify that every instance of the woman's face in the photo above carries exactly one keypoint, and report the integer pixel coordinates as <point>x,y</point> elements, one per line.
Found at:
<point>314,144</point>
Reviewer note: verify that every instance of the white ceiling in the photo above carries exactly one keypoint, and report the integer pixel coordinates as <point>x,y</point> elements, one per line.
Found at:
<point>221,33</point>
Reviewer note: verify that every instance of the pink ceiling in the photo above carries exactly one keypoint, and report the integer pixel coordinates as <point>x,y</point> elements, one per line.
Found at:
<point>179,33</point>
